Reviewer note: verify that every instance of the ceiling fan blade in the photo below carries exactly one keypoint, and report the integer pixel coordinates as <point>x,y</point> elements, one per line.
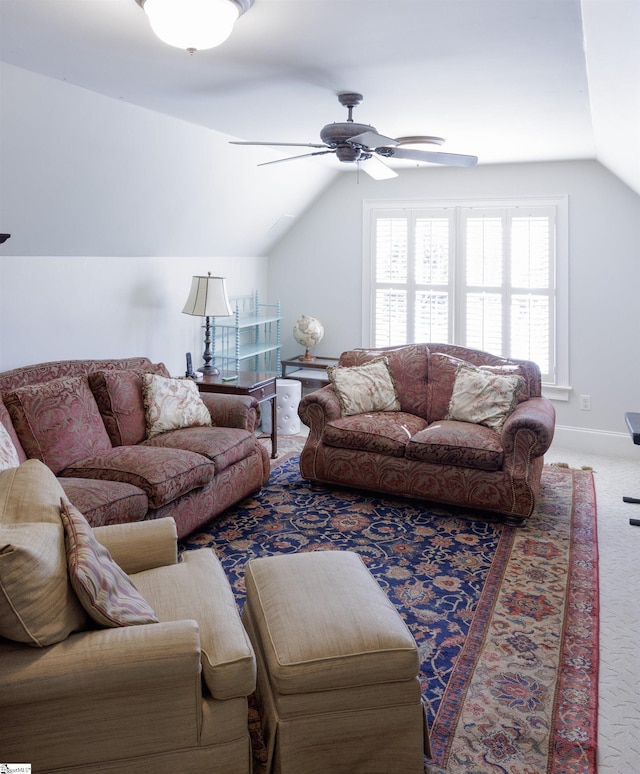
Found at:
<point>372,140</point>
<point>286,144</point>
<point>419,139</point>
<point>376,168</point>
<point>433,157</point>
<point>301,156</point>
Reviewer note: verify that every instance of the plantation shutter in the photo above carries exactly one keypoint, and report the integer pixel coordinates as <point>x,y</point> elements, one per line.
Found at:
<point>482,277</point>
<point>391,267</point>
<point>412,270</point>
<point>432,267</point>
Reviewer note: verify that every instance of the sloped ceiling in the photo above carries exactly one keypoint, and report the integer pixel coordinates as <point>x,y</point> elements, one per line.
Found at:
<point>612,43</point>
<point>506,80</point>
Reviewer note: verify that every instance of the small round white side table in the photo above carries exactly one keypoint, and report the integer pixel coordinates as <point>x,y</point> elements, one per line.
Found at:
<point>288,394</point>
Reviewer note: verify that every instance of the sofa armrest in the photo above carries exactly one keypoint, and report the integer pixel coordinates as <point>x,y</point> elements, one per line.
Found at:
<point>127,661</point>
<point>528,431</point>
<point>319,407</point>
<point>140,545</point>
<point>102,695</point>
<point>241,411</point>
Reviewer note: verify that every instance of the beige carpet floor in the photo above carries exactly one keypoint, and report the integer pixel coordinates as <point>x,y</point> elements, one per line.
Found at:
<point>619,566</point>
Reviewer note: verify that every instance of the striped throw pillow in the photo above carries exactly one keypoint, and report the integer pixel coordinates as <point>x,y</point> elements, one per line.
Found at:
<point>103,588</point>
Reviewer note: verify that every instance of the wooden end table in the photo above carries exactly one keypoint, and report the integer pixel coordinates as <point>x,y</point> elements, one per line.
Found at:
<point>312,373</point>
<point>262,387</point>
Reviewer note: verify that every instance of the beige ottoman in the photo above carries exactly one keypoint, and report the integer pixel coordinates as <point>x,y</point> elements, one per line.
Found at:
<point>337,668</point>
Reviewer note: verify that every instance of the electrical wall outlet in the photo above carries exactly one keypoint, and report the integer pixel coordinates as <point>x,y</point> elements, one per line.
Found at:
<point>585,403</point>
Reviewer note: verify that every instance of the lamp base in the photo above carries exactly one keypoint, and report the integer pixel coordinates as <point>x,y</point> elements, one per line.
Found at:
<point>209,370</point>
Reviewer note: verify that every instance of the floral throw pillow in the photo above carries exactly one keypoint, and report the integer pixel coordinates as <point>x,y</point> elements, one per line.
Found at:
<point>482,397</point>
<point>172,403</point>
<point>366,388</point>
<point>8,452</point>
<point>104,589</point>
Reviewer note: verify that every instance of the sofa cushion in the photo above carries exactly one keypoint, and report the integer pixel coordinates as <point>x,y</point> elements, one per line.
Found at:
<point>365,388</point>
<point>37,603</point>
<point>408,366</point>
<point>197,588</point>
<point>58,422</point>
<point>172,403</point>
<point>163,474</point>
<point>29,493</point>
<point>119,398</point>
<point>223,445</point>
<point>457,443</point>
<point>482,397</point>
<point>381,432</point>
<point>103,588</point>
<point>106,502</point>
<point>443,369</point>
<point>8,452</point>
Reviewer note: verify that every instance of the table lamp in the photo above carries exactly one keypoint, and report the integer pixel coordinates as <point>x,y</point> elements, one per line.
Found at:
<point>208,298</point>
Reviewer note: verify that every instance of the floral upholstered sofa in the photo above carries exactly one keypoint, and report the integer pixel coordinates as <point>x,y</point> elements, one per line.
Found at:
<point>101,428</point>
<point>434,422</point>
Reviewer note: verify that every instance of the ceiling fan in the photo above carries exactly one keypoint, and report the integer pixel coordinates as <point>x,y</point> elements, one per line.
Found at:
<point>361,144</point>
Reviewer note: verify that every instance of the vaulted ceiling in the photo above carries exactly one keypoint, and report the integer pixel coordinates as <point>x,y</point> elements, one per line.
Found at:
<point>506,80</point>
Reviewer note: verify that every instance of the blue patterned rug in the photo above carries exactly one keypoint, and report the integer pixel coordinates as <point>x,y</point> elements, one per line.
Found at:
<point>505,618</point>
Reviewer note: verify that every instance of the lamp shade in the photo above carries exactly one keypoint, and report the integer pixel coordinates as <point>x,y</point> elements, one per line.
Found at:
<point>208,298</point>
<point>192,24</point>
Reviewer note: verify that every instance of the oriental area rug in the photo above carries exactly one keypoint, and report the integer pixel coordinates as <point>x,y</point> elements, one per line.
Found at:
<point>505,618</point>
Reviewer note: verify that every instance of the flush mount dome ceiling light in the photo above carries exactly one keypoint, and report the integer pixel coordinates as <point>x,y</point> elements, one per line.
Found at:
<point>194,25</point>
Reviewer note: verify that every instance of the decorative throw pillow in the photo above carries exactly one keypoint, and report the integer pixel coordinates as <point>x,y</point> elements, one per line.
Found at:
<point>8,452</point>
<point>118,394</point>
<point>366,388</point>
<point>443,369</point>
<point>482,397</point>
<point>103,588</point>
<point>37,603</point>
<point>509,370</point>
<point>172,403</point>
<point>58,422</point>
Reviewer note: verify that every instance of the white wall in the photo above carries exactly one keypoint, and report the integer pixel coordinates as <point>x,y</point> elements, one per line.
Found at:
<point>54,308</point>
<point>316,270</point>
<point>99,196</point>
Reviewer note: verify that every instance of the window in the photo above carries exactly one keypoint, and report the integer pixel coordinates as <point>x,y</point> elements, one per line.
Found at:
<point>483,275</point>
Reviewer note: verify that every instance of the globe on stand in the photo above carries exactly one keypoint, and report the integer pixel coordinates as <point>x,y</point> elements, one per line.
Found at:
<point>308,332</point>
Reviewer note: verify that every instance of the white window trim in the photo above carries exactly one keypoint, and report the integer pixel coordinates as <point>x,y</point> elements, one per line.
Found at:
<point>561,389</point>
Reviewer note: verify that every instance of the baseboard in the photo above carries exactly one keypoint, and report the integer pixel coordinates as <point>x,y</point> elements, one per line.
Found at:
<point>595,442</point>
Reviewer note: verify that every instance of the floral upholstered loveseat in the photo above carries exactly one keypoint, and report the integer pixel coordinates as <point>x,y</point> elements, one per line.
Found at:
<point>416,444</point>
<point>86,420</point>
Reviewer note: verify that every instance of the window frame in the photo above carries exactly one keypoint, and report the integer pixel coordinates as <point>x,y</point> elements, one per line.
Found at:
<point>559,388</point>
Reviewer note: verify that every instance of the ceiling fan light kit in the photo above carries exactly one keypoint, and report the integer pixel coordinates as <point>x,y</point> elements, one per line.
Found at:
<point>194,25</point>
<point>362,144</point>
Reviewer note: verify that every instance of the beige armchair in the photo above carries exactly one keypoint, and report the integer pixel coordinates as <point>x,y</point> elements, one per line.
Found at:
<point>162,697</point>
